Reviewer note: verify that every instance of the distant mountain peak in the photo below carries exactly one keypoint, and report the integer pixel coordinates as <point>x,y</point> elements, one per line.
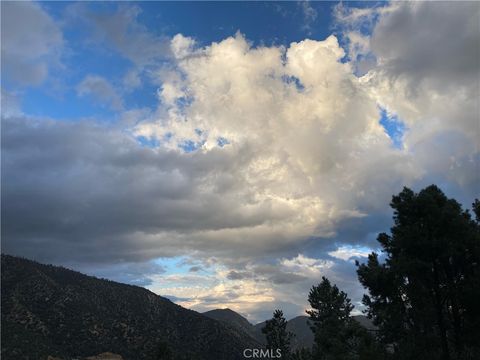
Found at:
<point>231,318</point>
<point>226,312</point>
<point>303,335</point>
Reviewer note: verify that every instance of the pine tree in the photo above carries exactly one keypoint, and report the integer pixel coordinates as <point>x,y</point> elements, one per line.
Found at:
<point>423,295</point>
<point>337,335</point>
<point>276,333</point>
<point>301,354</point>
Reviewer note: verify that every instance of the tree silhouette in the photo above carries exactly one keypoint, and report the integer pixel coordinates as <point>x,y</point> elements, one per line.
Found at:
<point>337,335</point>
<point>301,354</point>
<point>276,333</point>
<point>424,295</point>
<point>330,319</point>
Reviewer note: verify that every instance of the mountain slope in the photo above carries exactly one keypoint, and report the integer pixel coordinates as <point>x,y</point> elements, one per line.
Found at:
<point>49,310</point>
<point>303,335</point>
<point>231,318</point>
<point>365,322</point>
<point>298,326</point>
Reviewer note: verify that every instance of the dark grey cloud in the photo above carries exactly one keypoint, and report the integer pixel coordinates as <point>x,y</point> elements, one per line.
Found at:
<point>266,272</point>
<point>140,273</point>
<point>238,275</point>
<point>276,275</point>
<point>175,298</point>
<point>286,278</point>
<point>438,42</point>
<point>87,192</point>
<point>195,269</point>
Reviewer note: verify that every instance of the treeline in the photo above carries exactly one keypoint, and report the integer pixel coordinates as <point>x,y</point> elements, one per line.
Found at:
<point>423,291</point>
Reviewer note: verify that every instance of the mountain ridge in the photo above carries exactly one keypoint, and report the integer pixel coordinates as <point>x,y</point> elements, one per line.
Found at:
<point>298,325</point>
<point>53,311</point>
<point>233,319</point>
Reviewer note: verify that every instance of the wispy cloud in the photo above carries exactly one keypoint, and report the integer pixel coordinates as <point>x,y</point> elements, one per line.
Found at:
<point>32,42</point>
<point>309,15</point>
<point>100,90</point>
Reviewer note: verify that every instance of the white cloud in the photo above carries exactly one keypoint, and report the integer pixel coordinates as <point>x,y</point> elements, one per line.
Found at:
<point>348,252</point>
<point>306,147</point>
<point>309,268</point>
<point>31,42</point>
<point>253,291</point>
<point>204,292</point>
<point>182,46</point>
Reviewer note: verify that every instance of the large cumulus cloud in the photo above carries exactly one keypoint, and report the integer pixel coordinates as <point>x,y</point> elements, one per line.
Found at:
<point>301,145</point>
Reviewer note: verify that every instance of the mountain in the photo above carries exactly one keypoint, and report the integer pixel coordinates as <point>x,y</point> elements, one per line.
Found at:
<point>365,322</point>
<point>52,311</point>
<point>298,326</point>
<point>303,334</point>
<point>231,318</point>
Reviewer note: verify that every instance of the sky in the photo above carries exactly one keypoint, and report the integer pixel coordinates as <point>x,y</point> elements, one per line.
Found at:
<point>230,154</point>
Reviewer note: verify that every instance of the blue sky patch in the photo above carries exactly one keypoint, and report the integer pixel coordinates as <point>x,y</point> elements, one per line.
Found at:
<point>394,127</point>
